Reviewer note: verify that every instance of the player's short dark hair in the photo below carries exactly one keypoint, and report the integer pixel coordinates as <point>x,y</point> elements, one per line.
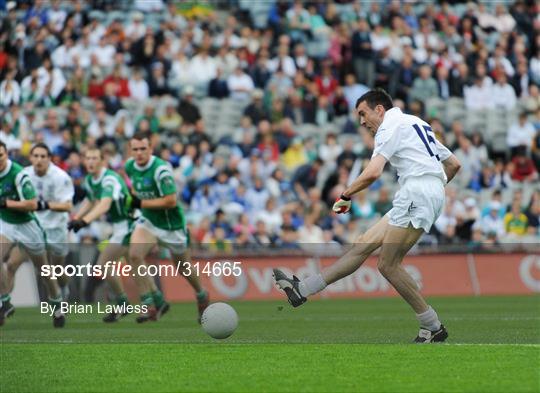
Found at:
<point>41,145</point>
<point>142,135</point>
<point>2,144</point>
<point>376,97</point>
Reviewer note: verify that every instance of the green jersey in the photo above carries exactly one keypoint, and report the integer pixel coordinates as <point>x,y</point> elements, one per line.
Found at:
<point>110,184</point>
<point>155,180</point>
<point>15,185</point>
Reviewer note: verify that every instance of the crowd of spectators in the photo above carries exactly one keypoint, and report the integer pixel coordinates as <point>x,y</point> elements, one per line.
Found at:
<point>78,74</point>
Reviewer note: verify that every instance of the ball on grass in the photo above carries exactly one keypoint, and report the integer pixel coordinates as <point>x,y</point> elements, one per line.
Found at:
<point>219,320</point>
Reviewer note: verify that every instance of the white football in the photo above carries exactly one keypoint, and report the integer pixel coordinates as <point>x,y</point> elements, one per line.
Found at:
<point>219,320</point>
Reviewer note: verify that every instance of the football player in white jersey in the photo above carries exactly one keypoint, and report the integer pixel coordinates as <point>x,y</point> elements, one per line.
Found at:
<point>55,191</point>
<point>424,166</point>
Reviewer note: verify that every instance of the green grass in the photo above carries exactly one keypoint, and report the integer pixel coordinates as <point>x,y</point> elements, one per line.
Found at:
<point>331,345</point>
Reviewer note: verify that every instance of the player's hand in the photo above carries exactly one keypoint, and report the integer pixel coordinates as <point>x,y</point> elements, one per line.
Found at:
<point>135,202</point>
<point>77,225</point>
<point>3,203</point>
<point>42,205</point>
<point>342,205</point>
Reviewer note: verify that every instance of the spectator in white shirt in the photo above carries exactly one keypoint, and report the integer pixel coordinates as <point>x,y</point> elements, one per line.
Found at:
<point>446,223</point>
<point>491,225</point>
<point>256,196</point>
<point>283,61</point>
<point>180,74</point>
<point>521,133</point>
<point>470,161</point>
<point>105,52</point>
<point>310,232</point>
<point>271,215</point>
<point>62,56</point>
<point>83,51</point>
<point>138,87</point>
<point>10,91</point>
<point>479,95</point>
<point>504,95</point>
<point>534,67</point>
<point>227,61</point>
<point>240,84</point>
<point>49,74</point>
<point>56,16</point>
<point>202,69</point>
<point>95,31</point>
<point>499,59</point>
<point>227,39</point>
<point>329,151</point>
<point>136,28</point>
<point>503,21</point>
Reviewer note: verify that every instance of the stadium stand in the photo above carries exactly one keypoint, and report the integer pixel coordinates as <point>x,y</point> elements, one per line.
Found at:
<point>78,74</point>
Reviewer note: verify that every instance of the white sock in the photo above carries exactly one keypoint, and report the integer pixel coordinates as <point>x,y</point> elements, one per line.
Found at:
<point>429,319</point>
<point>311,285</point>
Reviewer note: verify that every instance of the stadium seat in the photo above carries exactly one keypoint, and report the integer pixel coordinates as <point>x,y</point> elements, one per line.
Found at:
<point>455,110</point>
<point>475,121</point>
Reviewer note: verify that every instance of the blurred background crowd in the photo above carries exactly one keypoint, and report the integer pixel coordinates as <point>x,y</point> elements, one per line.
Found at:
<point>252,103</point>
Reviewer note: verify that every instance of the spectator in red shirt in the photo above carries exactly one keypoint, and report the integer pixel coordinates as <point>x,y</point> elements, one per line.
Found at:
<point>95,85</point>
<point>523,168</point>
<point>326,82</point>
<point>269,146</point>
<point>122,88</point>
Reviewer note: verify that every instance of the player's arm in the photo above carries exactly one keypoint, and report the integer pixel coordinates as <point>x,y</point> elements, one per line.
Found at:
<point>98,209</point>
<point>86,205</point>
<point>161,203</point>
<point>451,166</point>
<point>167,190</point>
<point>371,173</point>
<point>387,142</point>
<point>77,223</point>
<point>450,163</point>
<point>27,205</point>
<point>60,206</point>
<point>27,195</point>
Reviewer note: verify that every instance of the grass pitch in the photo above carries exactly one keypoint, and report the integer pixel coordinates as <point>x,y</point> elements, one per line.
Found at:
<point>327,345</point>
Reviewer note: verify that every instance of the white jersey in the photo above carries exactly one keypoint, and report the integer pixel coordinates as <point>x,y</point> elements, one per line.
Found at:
<point>409,144</point>
<point>54,186</point>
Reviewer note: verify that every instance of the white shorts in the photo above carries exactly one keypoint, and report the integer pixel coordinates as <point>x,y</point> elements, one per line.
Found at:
<point>175,241</point>
<point>29,236</point>
<point>121,232</point>
<point>419,202</point>
<point>57,241</point>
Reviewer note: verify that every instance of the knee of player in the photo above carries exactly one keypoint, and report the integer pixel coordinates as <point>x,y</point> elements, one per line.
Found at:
<point>385,266</point>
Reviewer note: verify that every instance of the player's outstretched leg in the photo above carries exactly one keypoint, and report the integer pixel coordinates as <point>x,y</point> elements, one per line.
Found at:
<point>297,291</point>
<point>397,242</point>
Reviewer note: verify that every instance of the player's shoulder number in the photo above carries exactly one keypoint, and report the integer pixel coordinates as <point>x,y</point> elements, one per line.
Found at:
<point>427,136</point>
